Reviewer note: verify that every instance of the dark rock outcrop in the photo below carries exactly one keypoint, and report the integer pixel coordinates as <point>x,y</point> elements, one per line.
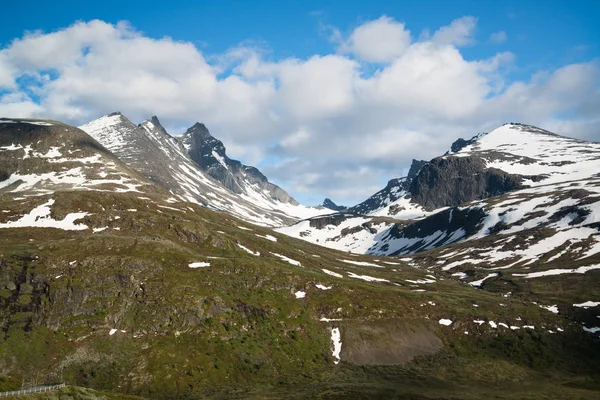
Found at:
<point>328,203</point>
<point>210,155</point>
<point>415,168</point>
<point>331,219</point>
<point>451,181</point>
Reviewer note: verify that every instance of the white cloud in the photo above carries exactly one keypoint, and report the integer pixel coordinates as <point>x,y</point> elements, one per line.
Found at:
<point>325,125</point>
<point>459,33</point>
<point>379,41</point>
<point>317,87</point>
<point>498,37</point>
<point>428,78</point>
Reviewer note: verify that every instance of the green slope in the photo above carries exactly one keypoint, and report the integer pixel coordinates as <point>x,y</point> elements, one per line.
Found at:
<point>236,328</point>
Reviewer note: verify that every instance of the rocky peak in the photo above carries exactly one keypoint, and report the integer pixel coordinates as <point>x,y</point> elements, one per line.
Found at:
<point>461,143</point>
<point>328,203</point>
<point>45,156</point>
<point>415,167</point>
<point>200,144</point>
<point>154,126</point>
<point>210,155</point>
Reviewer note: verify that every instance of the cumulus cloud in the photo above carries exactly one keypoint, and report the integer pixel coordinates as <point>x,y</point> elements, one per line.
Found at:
<point>334,125</point>
<point>459,33</point>
<point>380,41</point>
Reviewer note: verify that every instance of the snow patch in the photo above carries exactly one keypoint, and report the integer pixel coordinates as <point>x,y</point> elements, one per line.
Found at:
<point>247,250</point>
<point>40,217</point>
<point>284,258</point>
<point>366,278</point>
<point>199,264</point>
<point>328,272</point>
<point>336,339</point>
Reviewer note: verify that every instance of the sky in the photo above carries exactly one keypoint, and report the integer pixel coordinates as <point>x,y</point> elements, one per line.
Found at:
<point>328,98</point>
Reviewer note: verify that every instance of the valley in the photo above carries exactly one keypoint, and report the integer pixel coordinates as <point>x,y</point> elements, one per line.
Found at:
<point>127,266</point>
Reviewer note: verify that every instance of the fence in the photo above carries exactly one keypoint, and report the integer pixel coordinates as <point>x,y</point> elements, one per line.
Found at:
<point>39,389</point>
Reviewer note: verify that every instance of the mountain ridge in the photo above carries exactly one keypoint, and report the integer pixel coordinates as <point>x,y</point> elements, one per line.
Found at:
<point>123,286</point>
<point>510,159</point>
<point>150,149</point>
<point>210,154</point>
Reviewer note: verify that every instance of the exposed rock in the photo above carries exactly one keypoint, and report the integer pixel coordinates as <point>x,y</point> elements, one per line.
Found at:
<point>328,203</point>
<point>451,181</point>
<point>331,219</point>
<point>210,155</point>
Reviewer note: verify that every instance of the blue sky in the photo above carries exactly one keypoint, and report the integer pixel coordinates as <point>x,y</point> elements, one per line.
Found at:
<point>296,87</point>
<point>541,34</point>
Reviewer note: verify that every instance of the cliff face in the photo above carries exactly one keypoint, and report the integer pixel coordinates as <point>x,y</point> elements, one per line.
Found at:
<point>452,181</point>
<point>210,155</point>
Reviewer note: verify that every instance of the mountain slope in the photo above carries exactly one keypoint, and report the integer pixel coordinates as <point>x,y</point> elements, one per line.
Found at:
<point>210,154</point>
<point>510,159</point>
<point>149,149</point>
<point>162,298</point>
<point>39,157</point>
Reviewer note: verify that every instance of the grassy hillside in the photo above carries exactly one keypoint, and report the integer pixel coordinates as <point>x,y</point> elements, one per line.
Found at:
<point>119,309</point>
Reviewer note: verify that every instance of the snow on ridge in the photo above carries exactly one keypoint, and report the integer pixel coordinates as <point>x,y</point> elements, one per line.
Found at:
<point>587,304</point>
<point>553,308</point>
<point>268,237</point>
<point>361,263</point>
<point>533,151</point>
<point>330,236</point>
<point>479,282</point>
<point>366,278</point>
<point>220,159</point>
<point>322,287</point>
<point>30,122</point>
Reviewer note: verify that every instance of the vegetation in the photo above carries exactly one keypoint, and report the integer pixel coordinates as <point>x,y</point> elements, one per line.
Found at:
<point>120,310</point>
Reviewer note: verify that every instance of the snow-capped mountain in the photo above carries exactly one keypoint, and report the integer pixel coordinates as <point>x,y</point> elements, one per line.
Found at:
<point>456,195</point>
<point>39,157</point>
<point>526,150</point>
<point>394,200</point>
<point>210,155</point>
<point>164,159</point>
<point>99,263</point>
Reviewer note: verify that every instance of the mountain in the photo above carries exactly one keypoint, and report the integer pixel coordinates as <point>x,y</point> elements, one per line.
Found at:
<point>163,159</point>
<point>209,154</point>
<point>109,281</point>
<point>394,200</point>
<point>44,156</point>
<point>328,203</point>
<point>514,158</point>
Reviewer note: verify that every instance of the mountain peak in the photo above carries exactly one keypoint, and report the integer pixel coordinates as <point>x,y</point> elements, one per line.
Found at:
<point>508,133</point>
<point>199,129</point>
<point>155,120</point>
<point>153,126</point>
<point>328,203</point>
